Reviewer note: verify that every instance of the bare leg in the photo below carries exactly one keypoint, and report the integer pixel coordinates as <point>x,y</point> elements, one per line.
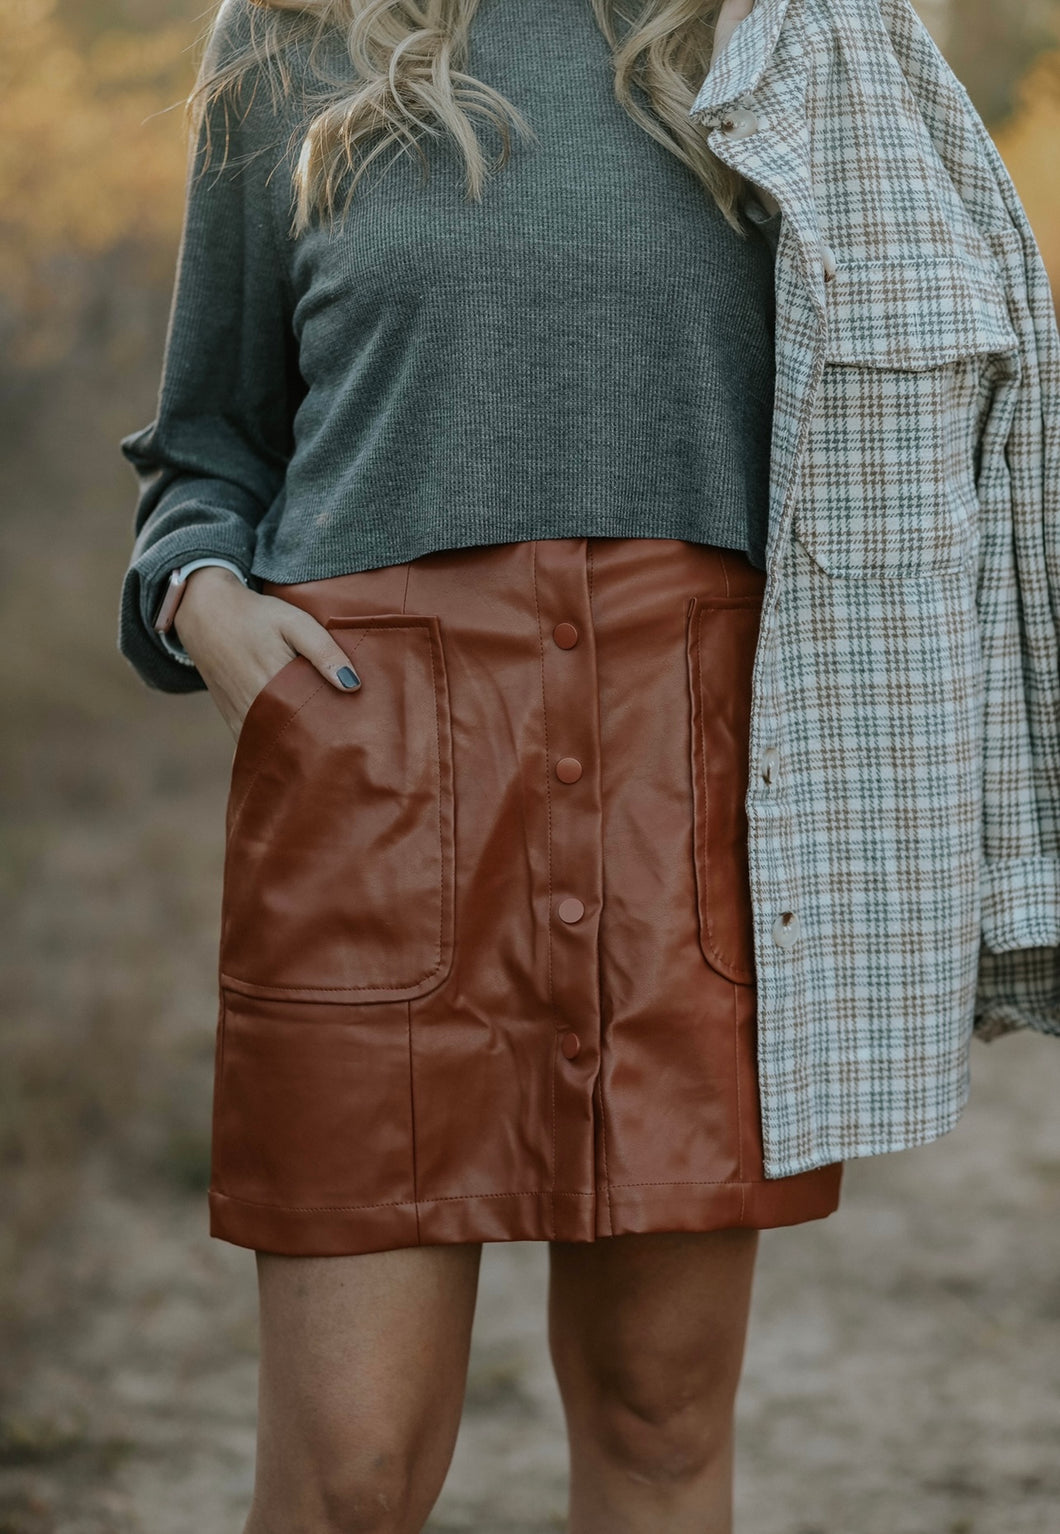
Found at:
<point>363,1368</point>
<point>647,1336</point>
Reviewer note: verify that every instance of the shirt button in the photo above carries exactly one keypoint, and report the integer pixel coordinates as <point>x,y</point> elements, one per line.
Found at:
<point>570,1045</point>
<point>571,909</point>
<point>565,635</point>
<point>786,929</point>
<point>769,763</point>
<point>828,261</point>
<point>568,769</point>
<point>739,122</point>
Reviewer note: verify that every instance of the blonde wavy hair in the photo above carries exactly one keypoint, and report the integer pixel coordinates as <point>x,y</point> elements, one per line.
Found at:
<point>408,58</point>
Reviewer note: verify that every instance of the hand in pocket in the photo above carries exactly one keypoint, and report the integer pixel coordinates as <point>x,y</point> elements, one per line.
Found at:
<point>239,639</point>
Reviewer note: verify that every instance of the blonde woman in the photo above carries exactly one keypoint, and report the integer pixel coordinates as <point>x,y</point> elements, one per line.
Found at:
<point>460,479</point>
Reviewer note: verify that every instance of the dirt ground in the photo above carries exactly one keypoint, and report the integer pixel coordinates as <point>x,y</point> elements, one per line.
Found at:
<point>903,1370</point>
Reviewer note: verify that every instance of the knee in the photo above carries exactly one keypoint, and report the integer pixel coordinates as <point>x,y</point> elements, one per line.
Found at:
<point>372,1491</point>
<point>660,1435</point>
<point>659,1451</point>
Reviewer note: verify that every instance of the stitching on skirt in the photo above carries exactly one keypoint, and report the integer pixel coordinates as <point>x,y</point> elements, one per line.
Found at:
<point>412,1121</point>
<point>736,1064</point>
<point>603,1138</point>
<point>393,1203</point>
<point>702,1182</point>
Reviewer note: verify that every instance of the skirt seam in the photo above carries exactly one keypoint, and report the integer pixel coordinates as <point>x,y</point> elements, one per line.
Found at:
<point>412,1126</point>
<point>394,1203</point>
<point>718,1182</point>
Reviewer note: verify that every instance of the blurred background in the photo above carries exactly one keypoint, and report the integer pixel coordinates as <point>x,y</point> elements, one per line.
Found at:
<point>902,1375</point>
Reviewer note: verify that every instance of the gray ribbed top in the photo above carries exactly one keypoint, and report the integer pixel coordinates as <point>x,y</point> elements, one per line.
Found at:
<point>587,351</point>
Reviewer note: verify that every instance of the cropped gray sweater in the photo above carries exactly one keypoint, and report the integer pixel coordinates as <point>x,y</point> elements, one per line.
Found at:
<point>586,351</point>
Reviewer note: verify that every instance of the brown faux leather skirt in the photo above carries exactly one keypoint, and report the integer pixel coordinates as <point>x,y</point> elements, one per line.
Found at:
<point>486,960</point>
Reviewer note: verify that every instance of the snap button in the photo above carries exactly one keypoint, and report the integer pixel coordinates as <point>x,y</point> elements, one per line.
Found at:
<point>828,261</point>
<point>739,122</point>
<point>565,635</point>
<point>571,909</point>
<point>568,769</point>
<point>769,762</point>
<point>570,1045</point>
<point>786,929</point>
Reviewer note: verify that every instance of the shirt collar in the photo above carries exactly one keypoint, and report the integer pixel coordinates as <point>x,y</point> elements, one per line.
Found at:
<point>744,61</point>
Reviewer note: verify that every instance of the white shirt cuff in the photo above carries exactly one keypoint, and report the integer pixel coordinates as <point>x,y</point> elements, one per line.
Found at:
<point>169,640</point>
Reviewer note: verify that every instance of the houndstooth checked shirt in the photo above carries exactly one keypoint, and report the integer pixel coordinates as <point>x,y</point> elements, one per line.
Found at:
<point>904,798</point>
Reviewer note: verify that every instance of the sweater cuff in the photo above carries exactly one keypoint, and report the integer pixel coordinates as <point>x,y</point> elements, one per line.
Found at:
<point>142,646</point>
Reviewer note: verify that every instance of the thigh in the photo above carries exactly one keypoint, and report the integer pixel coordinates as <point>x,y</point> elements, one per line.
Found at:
<point>652,1317</point>
<point>362,1375</point>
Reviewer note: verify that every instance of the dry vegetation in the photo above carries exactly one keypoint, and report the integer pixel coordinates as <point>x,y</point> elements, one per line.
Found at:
<point>91,160</point>
<point>900,1379</point>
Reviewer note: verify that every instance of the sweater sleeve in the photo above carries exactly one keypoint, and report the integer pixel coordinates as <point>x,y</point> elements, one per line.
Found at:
<point>214,459</point>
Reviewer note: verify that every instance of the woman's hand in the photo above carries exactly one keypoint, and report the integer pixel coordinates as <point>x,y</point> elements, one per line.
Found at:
<point>729,17</point>
<point>239,639</point>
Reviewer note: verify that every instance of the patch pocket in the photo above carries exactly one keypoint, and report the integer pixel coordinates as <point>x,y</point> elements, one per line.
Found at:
<point>339,846</point>
<point>722,637</point>
<point>889,476</point>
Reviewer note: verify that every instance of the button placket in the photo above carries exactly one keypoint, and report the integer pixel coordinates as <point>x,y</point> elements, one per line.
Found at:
<point>573,823</point>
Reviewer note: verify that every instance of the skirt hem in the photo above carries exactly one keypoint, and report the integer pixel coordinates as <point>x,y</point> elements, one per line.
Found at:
<point>544,1216</point>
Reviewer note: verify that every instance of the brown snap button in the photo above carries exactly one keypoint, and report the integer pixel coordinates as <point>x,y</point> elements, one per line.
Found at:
<point>568,769</point>
<point>565,635</point>
<point>570,1046</point>
<point>571,909</point>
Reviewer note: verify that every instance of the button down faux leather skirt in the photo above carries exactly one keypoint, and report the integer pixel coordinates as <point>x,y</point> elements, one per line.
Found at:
<point>486,959</point>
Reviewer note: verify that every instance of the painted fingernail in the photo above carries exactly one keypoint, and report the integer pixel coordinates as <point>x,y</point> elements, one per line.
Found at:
<point>348,677</point>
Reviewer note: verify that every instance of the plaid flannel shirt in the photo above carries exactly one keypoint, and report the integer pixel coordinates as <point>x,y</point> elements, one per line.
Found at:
<point>904,798</point>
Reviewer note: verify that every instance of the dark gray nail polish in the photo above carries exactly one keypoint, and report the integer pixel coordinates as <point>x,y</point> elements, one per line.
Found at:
<point>348,677</point>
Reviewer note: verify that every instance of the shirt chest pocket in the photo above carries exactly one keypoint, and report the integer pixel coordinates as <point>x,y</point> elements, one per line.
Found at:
<point>889,476</point>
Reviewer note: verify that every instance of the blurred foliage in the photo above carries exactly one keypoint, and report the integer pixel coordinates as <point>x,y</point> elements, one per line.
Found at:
<point>92,155</point>
<point>992,45</point>
<point>1028,143</point>
<point>93,144</point>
